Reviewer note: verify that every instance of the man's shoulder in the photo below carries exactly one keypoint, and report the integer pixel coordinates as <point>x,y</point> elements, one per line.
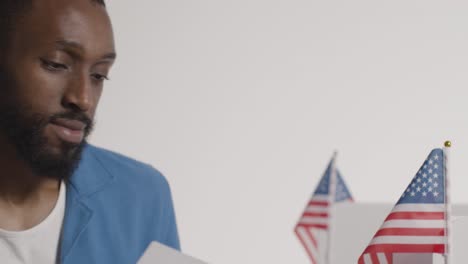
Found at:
<point>126,170</point>
<point>136,195</point>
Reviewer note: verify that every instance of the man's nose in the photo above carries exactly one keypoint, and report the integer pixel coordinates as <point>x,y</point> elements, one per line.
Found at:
<point>78,93</point>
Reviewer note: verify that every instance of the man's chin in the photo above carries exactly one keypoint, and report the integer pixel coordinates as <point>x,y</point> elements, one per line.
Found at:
<point>58,162</point>
<point>64,149</point>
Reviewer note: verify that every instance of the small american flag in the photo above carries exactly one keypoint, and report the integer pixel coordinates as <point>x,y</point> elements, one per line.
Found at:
<point>417,223</point>
<point>313,226</point>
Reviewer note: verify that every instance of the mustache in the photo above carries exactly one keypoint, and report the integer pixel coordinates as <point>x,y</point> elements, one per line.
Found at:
<point>75,116</point>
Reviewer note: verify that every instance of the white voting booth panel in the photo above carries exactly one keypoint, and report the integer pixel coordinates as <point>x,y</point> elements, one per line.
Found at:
<point>354,225</point>
<point>460,239</point>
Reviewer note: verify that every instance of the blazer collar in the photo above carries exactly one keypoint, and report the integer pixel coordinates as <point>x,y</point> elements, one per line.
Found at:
<point>91,175</point>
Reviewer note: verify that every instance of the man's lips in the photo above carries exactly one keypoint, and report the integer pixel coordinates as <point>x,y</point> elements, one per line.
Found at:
<point>72,131</point>
<point>69,123</point>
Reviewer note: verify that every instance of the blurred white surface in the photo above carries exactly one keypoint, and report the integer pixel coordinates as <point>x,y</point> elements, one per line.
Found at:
<point>157,253</point>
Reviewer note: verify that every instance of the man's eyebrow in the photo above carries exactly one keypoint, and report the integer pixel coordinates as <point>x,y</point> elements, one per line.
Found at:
<point>110,56</point>
<point>64,44</point>
<point>67,44</point>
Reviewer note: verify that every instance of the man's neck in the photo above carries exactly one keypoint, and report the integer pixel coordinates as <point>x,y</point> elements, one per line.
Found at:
<point>25,198</point>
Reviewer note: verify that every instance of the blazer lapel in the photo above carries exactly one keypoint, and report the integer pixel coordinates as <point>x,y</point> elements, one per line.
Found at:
<point>77,217</point>
<point>89,178</point>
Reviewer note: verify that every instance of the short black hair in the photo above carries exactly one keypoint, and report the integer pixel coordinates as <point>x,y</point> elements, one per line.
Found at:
<point>10,11</point>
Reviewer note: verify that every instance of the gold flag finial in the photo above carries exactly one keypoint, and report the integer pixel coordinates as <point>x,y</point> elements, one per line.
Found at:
<point>448,144</point>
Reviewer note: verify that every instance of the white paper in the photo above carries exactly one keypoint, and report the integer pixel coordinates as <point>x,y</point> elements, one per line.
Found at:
<point>157,253</point>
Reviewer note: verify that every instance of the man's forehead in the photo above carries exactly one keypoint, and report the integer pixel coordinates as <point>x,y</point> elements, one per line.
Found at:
<point>80,21</point>
<point>53,10</point>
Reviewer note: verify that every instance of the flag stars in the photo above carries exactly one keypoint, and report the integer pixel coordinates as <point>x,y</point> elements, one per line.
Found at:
<point>427,185</point>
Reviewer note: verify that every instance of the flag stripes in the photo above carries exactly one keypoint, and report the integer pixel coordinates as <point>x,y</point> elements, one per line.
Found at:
<point>408,223</point>
<point>406,248</point>
<point>314,217</point>
<point>410,231</point>
<point>417,223</point>
<point>312,227</point>
<point>308,242</point>
<point>376,258</point>
<point>416,215</point>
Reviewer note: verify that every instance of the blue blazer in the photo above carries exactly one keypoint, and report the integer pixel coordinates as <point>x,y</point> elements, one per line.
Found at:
<point>115,206</point>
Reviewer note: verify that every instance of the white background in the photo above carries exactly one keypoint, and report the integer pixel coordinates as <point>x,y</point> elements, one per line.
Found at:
<point>241,104</point>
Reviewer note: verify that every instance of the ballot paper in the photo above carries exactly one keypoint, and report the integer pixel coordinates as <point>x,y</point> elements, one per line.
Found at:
<point>158,253</point>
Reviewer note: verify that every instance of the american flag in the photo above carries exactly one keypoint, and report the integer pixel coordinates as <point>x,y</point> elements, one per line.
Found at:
<point>313,226</point>
<point>417,223</point>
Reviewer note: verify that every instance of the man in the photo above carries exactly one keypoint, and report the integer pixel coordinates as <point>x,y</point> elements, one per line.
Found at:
<point>61,199</point>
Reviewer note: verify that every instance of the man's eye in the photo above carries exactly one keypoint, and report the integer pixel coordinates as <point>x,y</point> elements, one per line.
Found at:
<point>99,77</point>
<point>53,66</point>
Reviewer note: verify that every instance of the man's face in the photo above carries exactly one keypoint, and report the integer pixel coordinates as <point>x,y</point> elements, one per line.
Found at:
<point>51,79</point>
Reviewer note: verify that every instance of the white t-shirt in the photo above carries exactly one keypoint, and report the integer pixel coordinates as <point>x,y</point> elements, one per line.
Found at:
<point>38,245</point>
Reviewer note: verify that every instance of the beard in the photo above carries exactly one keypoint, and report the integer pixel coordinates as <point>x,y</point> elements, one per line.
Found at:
<point>26,133</point>
<point>25,130</point>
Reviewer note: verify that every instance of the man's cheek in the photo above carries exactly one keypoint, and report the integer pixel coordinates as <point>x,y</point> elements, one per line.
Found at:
<point>44,88</point>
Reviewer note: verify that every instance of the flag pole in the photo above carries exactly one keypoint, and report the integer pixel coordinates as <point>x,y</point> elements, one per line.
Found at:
<point>331,202</point>
<point>448,205</point>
